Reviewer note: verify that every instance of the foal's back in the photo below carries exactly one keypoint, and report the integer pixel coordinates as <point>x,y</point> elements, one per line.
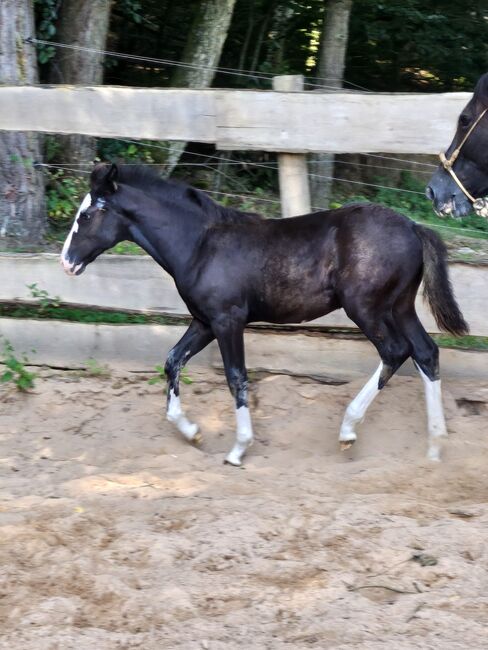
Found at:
<point>297,269</point>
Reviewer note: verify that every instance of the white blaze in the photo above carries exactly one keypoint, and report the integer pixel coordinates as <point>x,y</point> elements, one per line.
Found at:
<point>85,204</point>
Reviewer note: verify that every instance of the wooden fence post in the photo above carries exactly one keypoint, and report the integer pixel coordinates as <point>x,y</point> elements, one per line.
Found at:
<point>292,167</point>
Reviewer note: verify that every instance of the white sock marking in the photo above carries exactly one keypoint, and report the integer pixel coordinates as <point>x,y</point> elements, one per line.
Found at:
<point>435,415</point>
<point>244,436</point>
<point>176,415</point>
<point>358,407</point>
<point>67,265</point>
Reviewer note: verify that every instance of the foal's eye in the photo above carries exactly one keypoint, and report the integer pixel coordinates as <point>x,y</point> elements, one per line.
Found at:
<point>464,119</point>
<point>100,204</point>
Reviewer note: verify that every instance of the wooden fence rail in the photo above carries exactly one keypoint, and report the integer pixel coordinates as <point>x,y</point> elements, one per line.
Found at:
<point>138,283</point>
<point>292,122</point>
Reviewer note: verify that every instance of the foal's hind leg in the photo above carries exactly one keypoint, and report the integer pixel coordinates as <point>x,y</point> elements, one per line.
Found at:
<point>196,337</point>
<point>393,349</point>
<point>425,354</point>
<point>230,336</point>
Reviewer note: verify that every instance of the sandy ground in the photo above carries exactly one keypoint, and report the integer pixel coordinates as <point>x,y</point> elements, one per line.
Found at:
<point>117,534</point>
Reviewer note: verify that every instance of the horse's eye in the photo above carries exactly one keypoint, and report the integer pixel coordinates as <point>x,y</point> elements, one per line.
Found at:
<point>100,204</point>
<point>464,119</point>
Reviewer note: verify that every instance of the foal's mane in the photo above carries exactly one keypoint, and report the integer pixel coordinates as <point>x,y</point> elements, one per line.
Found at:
<point>149,181</point>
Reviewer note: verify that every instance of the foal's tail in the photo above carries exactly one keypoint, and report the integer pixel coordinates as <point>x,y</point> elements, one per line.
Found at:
<point>437,286</point>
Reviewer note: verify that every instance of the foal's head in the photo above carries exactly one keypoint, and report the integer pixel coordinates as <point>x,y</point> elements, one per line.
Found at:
<point>467,156</point>
<point>99,223</point>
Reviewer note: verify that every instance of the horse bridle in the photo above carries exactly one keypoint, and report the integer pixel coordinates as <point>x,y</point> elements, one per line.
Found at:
<point>480,205</point>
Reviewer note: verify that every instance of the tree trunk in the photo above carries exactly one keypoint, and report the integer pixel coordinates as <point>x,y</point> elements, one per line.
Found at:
<point>83,23</point>
<point>331,68</point>
<point>203,49</point>
<point>279,29</point>
<point>22,211</point>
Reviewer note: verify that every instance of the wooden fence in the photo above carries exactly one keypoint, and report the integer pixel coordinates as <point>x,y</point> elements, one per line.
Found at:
<point>286,120</point>
<point>138,283</point>
<point>293,122</point>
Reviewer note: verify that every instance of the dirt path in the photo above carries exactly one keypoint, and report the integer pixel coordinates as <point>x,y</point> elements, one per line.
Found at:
<point>116,534</point>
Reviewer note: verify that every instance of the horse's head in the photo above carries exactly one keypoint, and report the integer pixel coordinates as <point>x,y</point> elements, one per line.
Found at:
<point>463,175</point>
<point>98,224</point>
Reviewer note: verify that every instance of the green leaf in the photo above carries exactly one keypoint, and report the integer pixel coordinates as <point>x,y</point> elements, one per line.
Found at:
<point>8,375</point>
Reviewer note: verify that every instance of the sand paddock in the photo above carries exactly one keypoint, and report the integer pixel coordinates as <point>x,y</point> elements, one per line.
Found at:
<point>115,533</point>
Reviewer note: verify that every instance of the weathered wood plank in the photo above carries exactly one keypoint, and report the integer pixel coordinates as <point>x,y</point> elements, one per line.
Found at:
<point>297,122</point>
<point>337,122</point>
<point>138,283</point>
<point>108,111</point>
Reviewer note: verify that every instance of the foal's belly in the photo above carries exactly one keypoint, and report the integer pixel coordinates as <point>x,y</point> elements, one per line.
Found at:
<point>295,304</point>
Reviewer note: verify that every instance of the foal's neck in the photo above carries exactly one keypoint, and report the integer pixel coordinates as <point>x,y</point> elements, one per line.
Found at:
<point>168,231</point>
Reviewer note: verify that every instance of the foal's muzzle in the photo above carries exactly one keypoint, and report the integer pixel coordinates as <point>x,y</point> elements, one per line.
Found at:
<point>70,268</point>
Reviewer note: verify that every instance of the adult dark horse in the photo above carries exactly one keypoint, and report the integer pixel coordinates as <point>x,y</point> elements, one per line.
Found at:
<point>460,183</point>
<point>233,268</point>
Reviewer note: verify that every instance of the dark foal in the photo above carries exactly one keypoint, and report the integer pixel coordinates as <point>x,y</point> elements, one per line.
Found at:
<point>233,268</point>
<point>460,184</point>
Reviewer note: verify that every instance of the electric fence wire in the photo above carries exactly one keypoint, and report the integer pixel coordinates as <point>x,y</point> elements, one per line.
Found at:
<point>255,198</point>
<point>230,71</point>
<point>251,74</point>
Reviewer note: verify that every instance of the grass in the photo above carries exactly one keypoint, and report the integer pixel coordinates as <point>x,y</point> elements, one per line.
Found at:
<point>87,315</point>
<point>15,371</point>
<point>462,342</point>
<point>127,248</point>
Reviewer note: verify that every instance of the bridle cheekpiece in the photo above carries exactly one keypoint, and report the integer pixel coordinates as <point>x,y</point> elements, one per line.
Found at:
<point>480,205</point>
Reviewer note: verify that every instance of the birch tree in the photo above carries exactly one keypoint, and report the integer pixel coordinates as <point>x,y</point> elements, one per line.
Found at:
<point>202,52</point>
<point>333,47</point>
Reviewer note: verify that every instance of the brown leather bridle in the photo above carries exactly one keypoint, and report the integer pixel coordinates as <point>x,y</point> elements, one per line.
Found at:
<point>480,205</point>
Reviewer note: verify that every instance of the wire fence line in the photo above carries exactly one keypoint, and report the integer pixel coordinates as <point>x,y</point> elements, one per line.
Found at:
<point>257,198</point>
<point>249,74</point>
<point>253,74</point>
<point>214,161</point>
<point>259,165</point>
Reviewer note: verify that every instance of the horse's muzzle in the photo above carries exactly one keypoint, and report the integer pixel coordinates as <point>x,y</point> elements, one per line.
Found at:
<point>72,269</point>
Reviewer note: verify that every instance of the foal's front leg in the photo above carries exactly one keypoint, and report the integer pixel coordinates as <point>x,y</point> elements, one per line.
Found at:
<point>196,337</point>
<point>229,332</point>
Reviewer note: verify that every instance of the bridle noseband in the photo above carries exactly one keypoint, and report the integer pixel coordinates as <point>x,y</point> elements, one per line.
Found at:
<point>480,205</point>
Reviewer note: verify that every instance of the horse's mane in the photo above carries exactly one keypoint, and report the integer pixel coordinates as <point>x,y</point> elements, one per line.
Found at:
<point>481,90</point>
<point>148,180</point>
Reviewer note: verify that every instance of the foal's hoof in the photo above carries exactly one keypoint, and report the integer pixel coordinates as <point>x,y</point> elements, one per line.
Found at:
<point>232,459</point>
<point>197,439</point>
<point>434,454</point>
<point>346,444</point>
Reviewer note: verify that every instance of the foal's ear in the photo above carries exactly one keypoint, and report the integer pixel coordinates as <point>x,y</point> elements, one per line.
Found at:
<point>103,179</point>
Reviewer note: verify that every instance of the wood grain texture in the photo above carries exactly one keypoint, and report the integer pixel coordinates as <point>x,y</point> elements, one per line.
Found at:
<point>293,122</point>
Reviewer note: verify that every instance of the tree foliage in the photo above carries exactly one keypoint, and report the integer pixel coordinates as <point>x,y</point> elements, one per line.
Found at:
<point>405,45</point>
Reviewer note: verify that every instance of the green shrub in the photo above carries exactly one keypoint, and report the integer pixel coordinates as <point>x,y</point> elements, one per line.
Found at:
<point>16,371</point>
